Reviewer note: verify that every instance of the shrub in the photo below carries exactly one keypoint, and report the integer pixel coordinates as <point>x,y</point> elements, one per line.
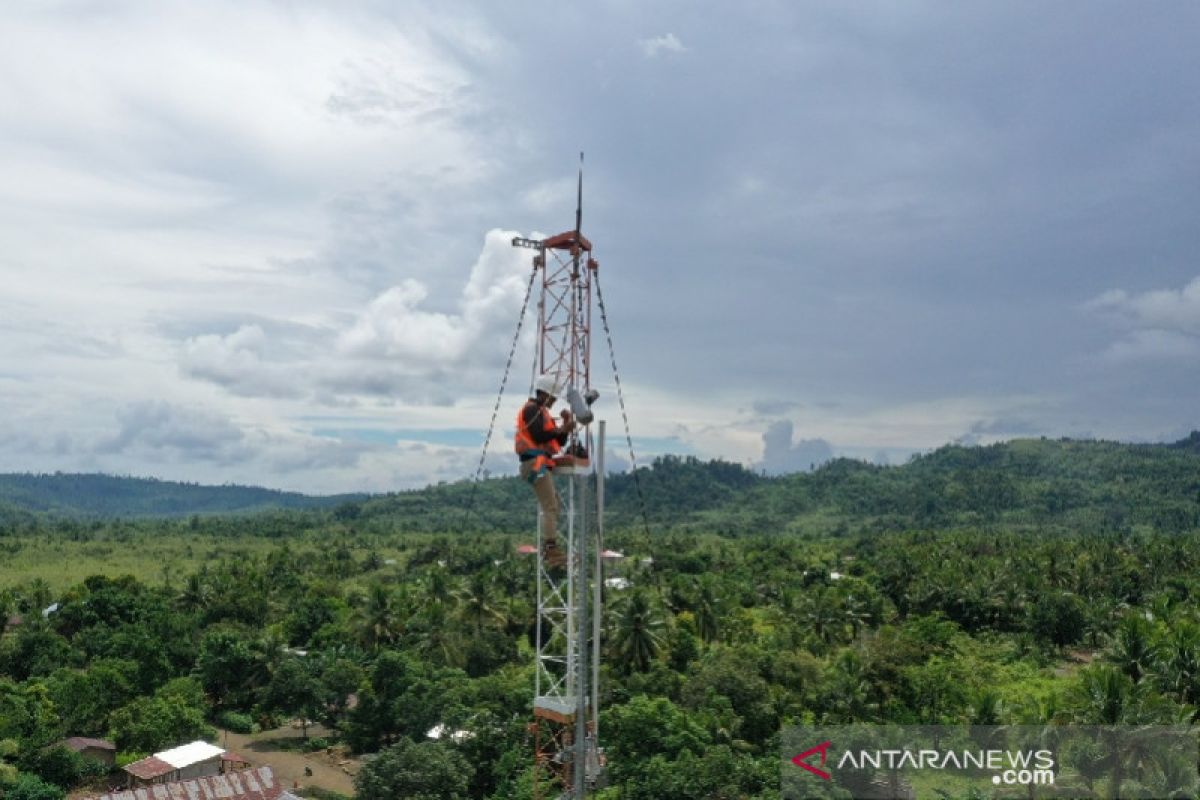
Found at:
<point>31,787</point>
<point>236,721</point>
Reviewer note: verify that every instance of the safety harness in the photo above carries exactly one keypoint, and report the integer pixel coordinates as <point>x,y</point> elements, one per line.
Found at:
<point>543,453</point>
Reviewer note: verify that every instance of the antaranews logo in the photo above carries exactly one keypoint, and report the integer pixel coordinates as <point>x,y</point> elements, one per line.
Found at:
<point>870,761</point>
<point>1010,767</point>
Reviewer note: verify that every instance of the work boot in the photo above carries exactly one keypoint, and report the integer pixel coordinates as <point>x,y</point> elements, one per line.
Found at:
<point>553,557</point>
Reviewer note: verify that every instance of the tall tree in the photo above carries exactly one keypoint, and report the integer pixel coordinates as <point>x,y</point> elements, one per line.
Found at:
<point>637,635</point>
<point>295,690</point>
<point>425,771</point>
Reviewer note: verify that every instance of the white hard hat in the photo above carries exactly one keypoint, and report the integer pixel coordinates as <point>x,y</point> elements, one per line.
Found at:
<point>546,383</point>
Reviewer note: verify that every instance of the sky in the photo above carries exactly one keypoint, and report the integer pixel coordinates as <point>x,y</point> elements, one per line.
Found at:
<point>269,242</point>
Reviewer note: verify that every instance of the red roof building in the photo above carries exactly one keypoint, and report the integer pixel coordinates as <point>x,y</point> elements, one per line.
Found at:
<point>251,784</point>
<point>149,768</point>
<point>196,759</point>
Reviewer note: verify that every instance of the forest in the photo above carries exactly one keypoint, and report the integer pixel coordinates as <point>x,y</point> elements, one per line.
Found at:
<point>1032,582</point>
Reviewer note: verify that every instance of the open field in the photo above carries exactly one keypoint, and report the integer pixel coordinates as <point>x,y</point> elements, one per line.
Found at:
<point>160,557</point>
<point>279,749</point>
<point>166,554</point>
<point>151,558</point>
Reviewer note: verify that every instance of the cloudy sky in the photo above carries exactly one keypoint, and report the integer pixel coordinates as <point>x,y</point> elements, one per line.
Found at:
<point>268,242</point>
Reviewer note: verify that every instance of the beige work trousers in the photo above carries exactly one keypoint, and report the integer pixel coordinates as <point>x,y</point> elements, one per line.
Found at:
<point>547,499</point>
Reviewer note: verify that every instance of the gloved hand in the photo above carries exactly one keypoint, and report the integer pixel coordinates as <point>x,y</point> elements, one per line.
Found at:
<point>566,416</point>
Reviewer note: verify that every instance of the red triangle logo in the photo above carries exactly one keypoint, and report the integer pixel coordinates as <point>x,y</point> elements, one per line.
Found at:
<point>799,760</point>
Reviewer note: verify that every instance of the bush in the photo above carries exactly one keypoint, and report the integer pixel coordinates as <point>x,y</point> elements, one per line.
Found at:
<point>63,767</point>
<point>315,744</point>
<point>236,721</point>
<point>31,787</point>
<point>317,793</point>
<point>425,771</point>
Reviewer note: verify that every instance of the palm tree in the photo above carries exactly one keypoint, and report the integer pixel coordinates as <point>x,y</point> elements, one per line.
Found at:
<point>437,639</point>
<point>39,594</point>
<point>857,612</point>
<point>439,586</point>
<point>1109,697</point>
<point>382,620</point>
<point>823,617</point>
<point>1133,648</point>
<point>196,594</point>
<point>476,602</point>
<point>1177,668</point>
<point>986,707</point>
<point>637,639</point>
<point>852,692</point>
<point>1106,696</point>
<point>707,611</point>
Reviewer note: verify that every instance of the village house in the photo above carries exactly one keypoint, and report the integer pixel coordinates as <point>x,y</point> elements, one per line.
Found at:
<point>194,760</point>
<point>259,783</point>
<point>95,749</point>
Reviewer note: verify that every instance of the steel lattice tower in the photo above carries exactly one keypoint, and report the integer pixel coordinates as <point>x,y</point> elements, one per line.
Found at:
<point>568,601</point>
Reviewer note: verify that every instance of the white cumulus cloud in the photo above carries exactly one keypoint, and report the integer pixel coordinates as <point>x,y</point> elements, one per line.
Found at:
<point>1162,324</point>
<point>237,362</point>
<point>398,325</point>
<point>1175,310</point>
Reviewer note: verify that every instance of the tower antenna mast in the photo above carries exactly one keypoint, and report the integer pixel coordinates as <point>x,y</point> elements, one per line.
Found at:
<point>567,758</point>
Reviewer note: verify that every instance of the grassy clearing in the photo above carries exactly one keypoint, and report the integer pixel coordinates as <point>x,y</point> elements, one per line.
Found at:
<point>167,554</point>
<point>151,558</point>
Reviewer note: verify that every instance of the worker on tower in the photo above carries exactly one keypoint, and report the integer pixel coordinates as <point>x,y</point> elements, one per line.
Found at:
<point>537,441</point>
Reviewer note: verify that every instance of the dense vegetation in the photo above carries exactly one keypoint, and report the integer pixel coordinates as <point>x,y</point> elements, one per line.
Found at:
<point>1032,484</point>
<point>1031,582</point>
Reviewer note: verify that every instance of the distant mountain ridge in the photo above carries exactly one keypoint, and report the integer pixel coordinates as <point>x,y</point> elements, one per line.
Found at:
<point>1032,484</point>
<point>101,495</point>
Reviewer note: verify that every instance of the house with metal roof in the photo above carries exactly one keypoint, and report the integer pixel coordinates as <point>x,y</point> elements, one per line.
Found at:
<point>194,760</point>
<point>95,749</point>
<point>259,783</point>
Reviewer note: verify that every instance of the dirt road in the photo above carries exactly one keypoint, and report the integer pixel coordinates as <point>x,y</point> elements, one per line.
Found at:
<point>279,749</point>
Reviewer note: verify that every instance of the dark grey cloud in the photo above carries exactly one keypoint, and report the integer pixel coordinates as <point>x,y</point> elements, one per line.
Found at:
<point>175,438</point>
<point>157,430</point>
<point>773,408</point>
<point>891,203</point>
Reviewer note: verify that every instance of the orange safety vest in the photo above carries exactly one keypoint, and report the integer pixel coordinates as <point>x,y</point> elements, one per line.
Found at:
<point>523,443</point>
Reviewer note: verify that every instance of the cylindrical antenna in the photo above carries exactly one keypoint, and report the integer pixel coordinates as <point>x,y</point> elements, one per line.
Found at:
<point>579,201</point>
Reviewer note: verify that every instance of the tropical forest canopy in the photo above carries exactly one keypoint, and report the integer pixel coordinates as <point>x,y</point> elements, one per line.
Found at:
<point>1029,582</point>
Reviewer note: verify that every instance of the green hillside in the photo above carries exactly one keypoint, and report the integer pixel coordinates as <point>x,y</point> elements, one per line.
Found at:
<point>1029,583</point>
<point>97,495</point>
<point>1023,484</point>
<point>1034,484</point>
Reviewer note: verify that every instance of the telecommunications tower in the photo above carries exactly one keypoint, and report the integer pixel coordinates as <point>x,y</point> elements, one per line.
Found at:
<point>567,758</point>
